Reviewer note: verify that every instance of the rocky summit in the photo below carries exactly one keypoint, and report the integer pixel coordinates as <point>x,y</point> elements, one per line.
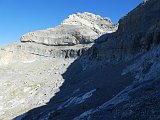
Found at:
<point>87,68</point>
<point>79,28</point>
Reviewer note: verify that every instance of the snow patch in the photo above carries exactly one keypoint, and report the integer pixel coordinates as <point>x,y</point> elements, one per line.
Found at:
<point>77,100</point>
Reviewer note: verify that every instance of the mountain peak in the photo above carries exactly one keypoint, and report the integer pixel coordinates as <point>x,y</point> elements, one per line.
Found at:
<point>95,22</point>
<point>77,28</point>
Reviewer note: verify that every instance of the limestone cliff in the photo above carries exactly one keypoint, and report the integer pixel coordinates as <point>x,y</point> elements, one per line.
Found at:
<point>138,32</point>
<point>79,28</point>
<point>68,40</point>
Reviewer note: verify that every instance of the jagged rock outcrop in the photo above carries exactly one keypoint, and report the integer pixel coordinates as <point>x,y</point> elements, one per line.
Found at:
<point>79,28</point>
<point>95,22</point>
<point>138,32</point>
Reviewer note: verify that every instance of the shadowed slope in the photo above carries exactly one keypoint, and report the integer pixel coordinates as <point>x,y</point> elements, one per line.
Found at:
<point>96,81</point>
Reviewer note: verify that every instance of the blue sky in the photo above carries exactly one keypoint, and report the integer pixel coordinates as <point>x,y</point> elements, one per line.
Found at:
<point>18,17</point>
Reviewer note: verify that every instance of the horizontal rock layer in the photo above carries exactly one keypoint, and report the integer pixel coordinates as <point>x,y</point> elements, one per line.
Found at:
<point>68,40</point>
<point>32,51</point>
<point>80,28</point>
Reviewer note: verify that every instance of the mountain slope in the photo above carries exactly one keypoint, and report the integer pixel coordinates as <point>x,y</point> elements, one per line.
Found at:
<point>117,78</point>
<point>31,69</point>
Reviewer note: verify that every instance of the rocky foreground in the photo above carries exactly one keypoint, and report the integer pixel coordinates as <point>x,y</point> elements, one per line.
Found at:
<point>85,69</point>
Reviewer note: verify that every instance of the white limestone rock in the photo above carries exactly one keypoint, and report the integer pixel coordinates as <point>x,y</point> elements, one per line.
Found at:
<point>79,28</point>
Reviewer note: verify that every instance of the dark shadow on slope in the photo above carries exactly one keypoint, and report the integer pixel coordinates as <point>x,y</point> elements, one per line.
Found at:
<point>105,78</point>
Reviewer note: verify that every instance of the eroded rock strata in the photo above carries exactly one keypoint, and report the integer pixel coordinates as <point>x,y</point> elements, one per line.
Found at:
<point>117,78</point>
<point>31,69</point>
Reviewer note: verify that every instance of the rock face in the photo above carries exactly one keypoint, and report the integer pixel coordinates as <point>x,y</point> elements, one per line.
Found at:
<point>69,40</point>
<point>95,22</point>
<point>20,52</point>
<point>138,32</point>
<point>80,28</point>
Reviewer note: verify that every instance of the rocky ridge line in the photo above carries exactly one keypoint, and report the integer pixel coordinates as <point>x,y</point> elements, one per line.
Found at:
<point>79,28</point>
<point>68,40</point>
